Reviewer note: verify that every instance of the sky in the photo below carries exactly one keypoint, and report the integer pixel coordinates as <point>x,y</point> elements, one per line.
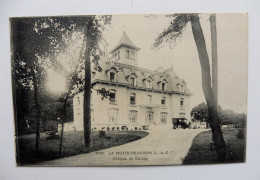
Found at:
<point>232,39</point>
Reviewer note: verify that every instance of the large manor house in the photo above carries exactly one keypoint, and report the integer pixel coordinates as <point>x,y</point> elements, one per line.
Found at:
<point>139,98</point>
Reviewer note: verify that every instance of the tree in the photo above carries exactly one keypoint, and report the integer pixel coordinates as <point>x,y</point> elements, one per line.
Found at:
<point>213,30</point>
<point>200,113</point>
<point>172,33</point>
<point>28,46</point>
<point>91,27</point>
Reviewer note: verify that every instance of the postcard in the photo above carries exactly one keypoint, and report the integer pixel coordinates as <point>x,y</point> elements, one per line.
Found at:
<point>130,89</point>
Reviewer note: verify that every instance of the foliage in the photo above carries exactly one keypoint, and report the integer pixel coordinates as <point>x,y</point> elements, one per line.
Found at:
<point>174,30</point>
<point>200,113</point>
<point>241,134</point>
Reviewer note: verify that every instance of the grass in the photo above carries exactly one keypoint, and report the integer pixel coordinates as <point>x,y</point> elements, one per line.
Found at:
<point>72,145</point>
<point>200,152</point>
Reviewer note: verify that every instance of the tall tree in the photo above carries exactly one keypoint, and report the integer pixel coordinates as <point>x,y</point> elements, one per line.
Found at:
<point>172,33</point>
<point>214,50</point>
<point>27,46</point>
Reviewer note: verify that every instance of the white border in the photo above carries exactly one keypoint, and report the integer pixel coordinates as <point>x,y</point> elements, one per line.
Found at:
<point>10,8</point>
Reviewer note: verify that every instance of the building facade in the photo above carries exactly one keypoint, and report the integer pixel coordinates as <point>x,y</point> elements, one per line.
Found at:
<point>139,98</point>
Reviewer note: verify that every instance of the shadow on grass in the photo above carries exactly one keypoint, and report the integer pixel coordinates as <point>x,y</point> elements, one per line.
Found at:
<point>201,153</point>
<point>72,145</point>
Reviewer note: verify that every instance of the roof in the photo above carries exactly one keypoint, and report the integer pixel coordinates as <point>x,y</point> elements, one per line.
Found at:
<point>124,71</point>
<point>124,41</point>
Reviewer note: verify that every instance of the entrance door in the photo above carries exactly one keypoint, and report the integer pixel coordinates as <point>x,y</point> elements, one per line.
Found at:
<point>149,117</point>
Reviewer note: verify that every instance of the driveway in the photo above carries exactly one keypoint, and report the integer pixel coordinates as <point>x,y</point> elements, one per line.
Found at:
<point>160,147</point>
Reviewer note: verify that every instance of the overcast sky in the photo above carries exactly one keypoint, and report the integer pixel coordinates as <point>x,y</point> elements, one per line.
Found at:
<point>232,53</point>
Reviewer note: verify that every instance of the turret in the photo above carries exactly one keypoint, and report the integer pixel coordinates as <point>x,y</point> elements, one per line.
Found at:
<point>125,51</point>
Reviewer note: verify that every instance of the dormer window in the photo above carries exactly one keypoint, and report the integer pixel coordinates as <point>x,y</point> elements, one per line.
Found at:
<point>133,81</point>
<point>163,86</point>
<point>181,87</point>
<point>112,76</point>
<point>148,84</point>
<point>127,53</point>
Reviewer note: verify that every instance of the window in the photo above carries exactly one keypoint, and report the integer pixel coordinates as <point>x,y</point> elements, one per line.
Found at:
<point>132,55</point>
<point>127,53</point>
<point>112,116</point>
<point>163,101</point>
<point>163,117</point>
<point>163,86</point>
<point>148,84</point>
<point>133,117</point>
<point>133,81</point>
<point>149,98</point>
<point>182,103</point>
<point>182,89</point>
<point>132,98</point>
<point>112,77</point>
<point>112,95</point>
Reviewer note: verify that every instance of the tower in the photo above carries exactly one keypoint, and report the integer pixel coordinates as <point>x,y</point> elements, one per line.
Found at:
<point>125,51</point>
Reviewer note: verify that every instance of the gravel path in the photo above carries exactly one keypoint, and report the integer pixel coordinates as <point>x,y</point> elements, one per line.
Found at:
<point>160,147</point>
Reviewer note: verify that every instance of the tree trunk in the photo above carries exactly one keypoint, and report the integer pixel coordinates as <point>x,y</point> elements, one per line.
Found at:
<point>214,47</point>
<point>62,121</point>
<point>35,88</point>
<point>87,96</point>
<point>206,86</point>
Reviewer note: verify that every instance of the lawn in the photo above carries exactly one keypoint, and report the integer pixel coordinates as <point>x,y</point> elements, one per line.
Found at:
<point>72,145</point>
<point>200,152</point>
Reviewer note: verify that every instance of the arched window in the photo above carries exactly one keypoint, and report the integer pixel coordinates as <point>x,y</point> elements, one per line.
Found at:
<point>127,53</point>
<point>132,55</point>
<point>132,98</point>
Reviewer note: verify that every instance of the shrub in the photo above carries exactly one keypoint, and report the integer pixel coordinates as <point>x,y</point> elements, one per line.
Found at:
<point>102,133</point>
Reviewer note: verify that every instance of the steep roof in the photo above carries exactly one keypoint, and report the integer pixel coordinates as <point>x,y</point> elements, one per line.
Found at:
<point>124,70</point>
<point>124,41</point>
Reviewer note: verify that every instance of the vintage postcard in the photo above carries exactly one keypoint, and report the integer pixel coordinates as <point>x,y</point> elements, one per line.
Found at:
<point>130,90</point>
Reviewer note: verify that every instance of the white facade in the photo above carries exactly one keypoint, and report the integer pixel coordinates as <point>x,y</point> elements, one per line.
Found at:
<point>139,99</point>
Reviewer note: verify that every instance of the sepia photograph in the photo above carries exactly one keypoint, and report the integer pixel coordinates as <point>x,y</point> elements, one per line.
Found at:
<point>130,89</point>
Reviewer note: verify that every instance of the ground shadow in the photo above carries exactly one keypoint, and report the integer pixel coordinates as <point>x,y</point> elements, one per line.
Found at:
<point>201,152</point>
